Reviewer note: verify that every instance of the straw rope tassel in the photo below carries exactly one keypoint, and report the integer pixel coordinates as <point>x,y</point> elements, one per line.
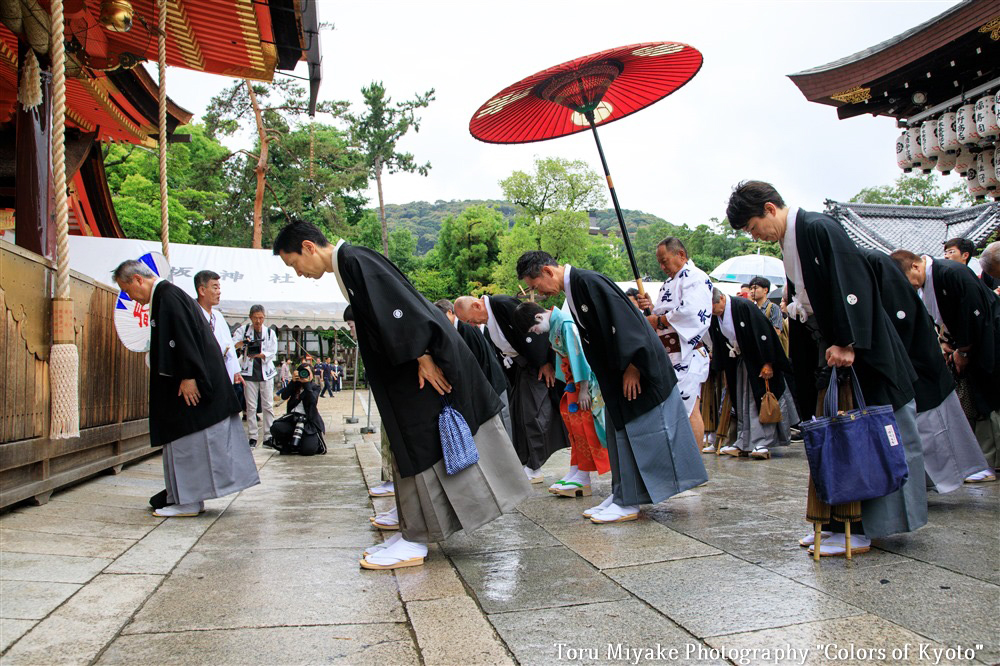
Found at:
<point>164,216</point>
<point>64,363</point>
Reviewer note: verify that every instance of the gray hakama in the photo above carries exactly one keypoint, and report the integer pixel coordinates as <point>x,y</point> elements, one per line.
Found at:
<point>385,454</point>
<point>538,427</point>
<point>951,451</point>
<point>209,463</point>
<point>655,457</point>
<point>505,414</point>
<point>751,433</point>
<point>433,505</point>
<point>906,509</point>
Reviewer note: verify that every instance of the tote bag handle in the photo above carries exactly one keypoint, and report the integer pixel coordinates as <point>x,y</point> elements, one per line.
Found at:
<point>831,400</point>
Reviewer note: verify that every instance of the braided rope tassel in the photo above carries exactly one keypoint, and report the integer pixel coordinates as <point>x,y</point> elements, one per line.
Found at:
<point>164,216</point>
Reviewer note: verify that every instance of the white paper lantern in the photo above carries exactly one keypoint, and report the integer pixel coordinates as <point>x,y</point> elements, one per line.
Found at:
<point>947,134</point>
<point>986,169</point>
<point>996,104</point>
<point>913,152</point>
<point>986,119</point>
<point>902,159</point>
<point>929,143</point>
<point>965,125</point>
<point>996,162</point>
<point>946,163</point>
<point>964,160</point>
<point>972,182</point>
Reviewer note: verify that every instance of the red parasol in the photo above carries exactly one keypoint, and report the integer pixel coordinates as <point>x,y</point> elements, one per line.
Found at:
<point>586,92</point>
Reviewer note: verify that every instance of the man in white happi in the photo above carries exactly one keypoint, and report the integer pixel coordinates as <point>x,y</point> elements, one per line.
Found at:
<point>681,316</point>
<point>209,290</point>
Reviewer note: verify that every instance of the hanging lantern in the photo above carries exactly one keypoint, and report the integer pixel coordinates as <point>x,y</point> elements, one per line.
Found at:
<point>996,162</point>
<point>902,159</point>
<point>986,168</point>
<point>116,15</point>
<point>912,147</point>
<point>964,160</point>
<point>929,142</point>
<point>972,182</point>
<point>996,104</point>
<point>946,163</point>
<point>986,119</point>
<point>947,134</point>
<point>965,125</point>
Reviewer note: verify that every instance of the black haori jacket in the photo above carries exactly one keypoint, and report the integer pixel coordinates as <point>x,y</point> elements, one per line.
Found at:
<point>845,299</point>
<point>758,343</point>
<point>396,325</point>
<point>183,346</point>
<point>615,334</point>
<point>485,356</point>
<point>916,330</point>
<point>534,348</point>
<point>971,313</point>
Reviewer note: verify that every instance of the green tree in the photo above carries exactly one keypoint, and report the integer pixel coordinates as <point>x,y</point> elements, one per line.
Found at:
<point>557,184</point>
<point>914,190</point>
<point>468,248</point>
<point>376,133</point>
<point>402,244</point>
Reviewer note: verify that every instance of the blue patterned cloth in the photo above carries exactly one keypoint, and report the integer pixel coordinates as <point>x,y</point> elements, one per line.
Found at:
<point>456,441</point>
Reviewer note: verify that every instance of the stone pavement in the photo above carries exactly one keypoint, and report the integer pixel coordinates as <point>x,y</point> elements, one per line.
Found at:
<point>271,576</point>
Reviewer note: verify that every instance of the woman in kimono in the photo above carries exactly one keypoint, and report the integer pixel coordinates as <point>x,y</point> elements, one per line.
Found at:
<point>581,406</point>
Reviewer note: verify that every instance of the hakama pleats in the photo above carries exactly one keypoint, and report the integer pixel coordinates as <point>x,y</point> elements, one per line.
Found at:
<point>538,428</point>
<point>906,509</point>
<point>655,456</point>
<point>385,457</point>
<point>505,414</point>
<point>988,435</point>
<point>751,432</point>
<point>950,449</point>
<point>210,463</point>
<point>433,505</point>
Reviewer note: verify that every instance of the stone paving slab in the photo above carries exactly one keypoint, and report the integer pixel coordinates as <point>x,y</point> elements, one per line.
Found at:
<point>258,588</point>
<point>50,568</point>
<point>716,595</point>
<point>453,632</point>
<point>78,631</point>
<point>379,644</point>
<point>160,550</point>
<point>596,633</point>
<point>509,532</point>
<point>76,526</point>
<point>965,551</point>
<point>437,579</point>
<point>534,578</point>
<point>242,528</point>
<point>12,630</point>
<point>132,515</point>
<point>32,600</point>
<point>22,541</point>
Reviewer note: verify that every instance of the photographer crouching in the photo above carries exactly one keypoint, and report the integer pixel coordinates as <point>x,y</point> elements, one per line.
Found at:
<point>301,429</point>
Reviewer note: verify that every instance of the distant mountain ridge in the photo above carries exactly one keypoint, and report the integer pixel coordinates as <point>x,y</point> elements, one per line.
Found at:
<point>424,219</point>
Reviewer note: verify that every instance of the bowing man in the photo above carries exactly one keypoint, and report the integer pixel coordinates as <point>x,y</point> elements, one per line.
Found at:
<point>485,356</point>
<point>650,443</point>
<point>837,311</point>
<point>416,363</point>
<point>951,453</point>
<point>747,349</point>
<point>968,314</point>
<point>193,410</point>
<point>535,392</point>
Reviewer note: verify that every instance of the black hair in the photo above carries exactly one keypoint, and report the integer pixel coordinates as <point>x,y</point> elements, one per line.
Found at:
<point>530,264</point>
<point>632,291</point>
<point>202,278</point>
<point>524,316</point>
<point>747,201</point>
<point>745,285</point>
<point>289,240</point>
<point>444,305</point>
<point>348,313</point>
<point>963,245</point>
<point>254,309</point>
<point>761,281</point>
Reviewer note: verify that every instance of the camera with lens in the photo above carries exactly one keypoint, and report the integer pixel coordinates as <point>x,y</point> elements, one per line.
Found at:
<point>253,347</point>
<point>304,372</point>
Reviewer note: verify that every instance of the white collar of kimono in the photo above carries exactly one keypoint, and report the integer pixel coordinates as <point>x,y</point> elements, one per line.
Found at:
<point>927,294</point>
<point>727,323</point>
<point>800,307</point>
<point>455,323</point>
<point>336,270</point>
<point>496,334</point>
<point>569,293</point>
<point>666,305</point>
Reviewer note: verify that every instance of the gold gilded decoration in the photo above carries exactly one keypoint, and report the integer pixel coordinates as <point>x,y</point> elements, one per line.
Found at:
<point>180,31</point>
<point>992,29</point>
<point>662,49</point>
<point>251,33</point>
<point>853,96</point>
<point>6,220</point>
<point>116,15</point>
<point>25,284</point>
<point>95,87</point>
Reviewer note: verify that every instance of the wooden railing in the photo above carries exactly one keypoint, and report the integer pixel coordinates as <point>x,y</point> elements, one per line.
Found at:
<point>113,389</point>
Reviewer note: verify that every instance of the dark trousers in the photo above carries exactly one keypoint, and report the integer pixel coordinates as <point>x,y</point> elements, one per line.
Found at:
<point>327,388</point>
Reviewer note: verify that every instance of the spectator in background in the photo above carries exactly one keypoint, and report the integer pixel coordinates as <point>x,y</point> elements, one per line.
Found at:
<point>285,373</point>
<point>744,291</point>
<point>260,345</point>
<point>963,250</point>
<point>760,287</point>
<point>326,372</point>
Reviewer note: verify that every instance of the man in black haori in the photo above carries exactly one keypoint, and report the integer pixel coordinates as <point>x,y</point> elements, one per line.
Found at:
<point>535,392</point>
<point>835,309</point>
<point>650,442</point>
<point>416,363</point>
<point>193,410</point>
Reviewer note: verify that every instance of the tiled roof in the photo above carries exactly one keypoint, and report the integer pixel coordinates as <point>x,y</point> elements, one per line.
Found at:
<point>920,229</point>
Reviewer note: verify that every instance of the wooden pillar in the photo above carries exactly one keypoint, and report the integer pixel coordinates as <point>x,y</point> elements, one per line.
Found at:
<point>34,225</point>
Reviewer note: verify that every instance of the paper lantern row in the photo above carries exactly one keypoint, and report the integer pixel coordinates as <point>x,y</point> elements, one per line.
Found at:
<point>966,141</point>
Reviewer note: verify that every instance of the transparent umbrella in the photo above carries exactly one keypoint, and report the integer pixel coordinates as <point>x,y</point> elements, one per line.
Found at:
<point>744,268</point>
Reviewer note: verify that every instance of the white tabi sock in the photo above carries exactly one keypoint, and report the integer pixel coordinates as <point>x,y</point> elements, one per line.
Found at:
<point>608,501</point>
<point>399,551</point>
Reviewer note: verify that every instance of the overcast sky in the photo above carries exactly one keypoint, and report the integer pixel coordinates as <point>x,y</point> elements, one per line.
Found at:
<point>740,117</point>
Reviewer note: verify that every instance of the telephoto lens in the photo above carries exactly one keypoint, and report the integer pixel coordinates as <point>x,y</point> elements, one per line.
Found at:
<point>300,424</point>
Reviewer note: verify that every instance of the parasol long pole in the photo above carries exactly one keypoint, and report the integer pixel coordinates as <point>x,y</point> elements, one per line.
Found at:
<point>618,208</point>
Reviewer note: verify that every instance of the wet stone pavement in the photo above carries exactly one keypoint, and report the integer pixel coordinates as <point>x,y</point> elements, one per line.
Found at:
<point>271,576</point>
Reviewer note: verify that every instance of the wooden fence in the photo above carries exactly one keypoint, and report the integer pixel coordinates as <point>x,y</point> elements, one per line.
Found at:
<point>114,384</point>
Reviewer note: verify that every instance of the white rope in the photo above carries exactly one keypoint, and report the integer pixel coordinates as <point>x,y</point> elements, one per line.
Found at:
<point>164,215</point>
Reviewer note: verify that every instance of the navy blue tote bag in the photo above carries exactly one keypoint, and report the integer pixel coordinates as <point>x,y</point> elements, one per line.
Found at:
<point>456,440</point>
<point>857,455</point>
